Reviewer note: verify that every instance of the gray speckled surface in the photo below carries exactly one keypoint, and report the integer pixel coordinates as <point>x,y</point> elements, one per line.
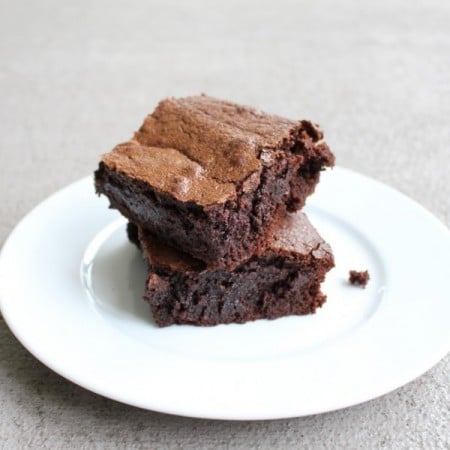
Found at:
<point>76,78</point>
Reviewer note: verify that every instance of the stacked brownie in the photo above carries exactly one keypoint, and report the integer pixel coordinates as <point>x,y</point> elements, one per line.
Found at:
<point>210,189</point>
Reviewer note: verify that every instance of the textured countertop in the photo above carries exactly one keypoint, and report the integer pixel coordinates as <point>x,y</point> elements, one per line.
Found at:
<point>78,77</point>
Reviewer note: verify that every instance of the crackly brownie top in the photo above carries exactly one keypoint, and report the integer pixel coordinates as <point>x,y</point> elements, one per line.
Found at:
<point>199,148</point>
<point>296,236</point>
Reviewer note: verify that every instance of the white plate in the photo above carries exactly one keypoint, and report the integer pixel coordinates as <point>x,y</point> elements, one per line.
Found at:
<point>71,288</point>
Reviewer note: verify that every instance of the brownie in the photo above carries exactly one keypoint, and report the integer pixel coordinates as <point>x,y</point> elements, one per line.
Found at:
<point>358,278</point>
<point>284,280</point>
<point>211,178</point>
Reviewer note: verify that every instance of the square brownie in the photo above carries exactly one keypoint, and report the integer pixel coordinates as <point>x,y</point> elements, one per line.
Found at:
<point>211,178</point>
<point>283,280</point>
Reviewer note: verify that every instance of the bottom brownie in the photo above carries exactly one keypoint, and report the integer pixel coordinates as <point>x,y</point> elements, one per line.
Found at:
<point>284,280</point>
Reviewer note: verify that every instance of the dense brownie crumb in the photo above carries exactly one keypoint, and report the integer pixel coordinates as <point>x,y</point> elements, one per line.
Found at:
<point>284,280</point>
<point>359,278</point>
<point>211,178</point>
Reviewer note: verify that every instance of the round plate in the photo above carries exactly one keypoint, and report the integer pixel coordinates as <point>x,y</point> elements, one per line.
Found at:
<point>72,286</point>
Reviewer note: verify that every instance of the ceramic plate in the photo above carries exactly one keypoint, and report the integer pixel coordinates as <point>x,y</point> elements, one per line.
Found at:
<point>71,291</point>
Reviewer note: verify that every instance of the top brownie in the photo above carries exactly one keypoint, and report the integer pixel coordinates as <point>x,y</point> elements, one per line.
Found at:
<point>211,177</point>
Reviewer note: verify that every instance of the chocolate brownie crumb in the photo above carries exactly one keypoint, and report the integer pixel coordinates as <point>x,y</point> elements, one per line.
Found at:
<point>359,278</point>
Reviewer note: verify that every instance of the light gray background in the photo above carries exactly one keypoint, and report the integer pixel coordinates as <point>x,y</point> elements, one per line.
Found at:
<point>78,77</point>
